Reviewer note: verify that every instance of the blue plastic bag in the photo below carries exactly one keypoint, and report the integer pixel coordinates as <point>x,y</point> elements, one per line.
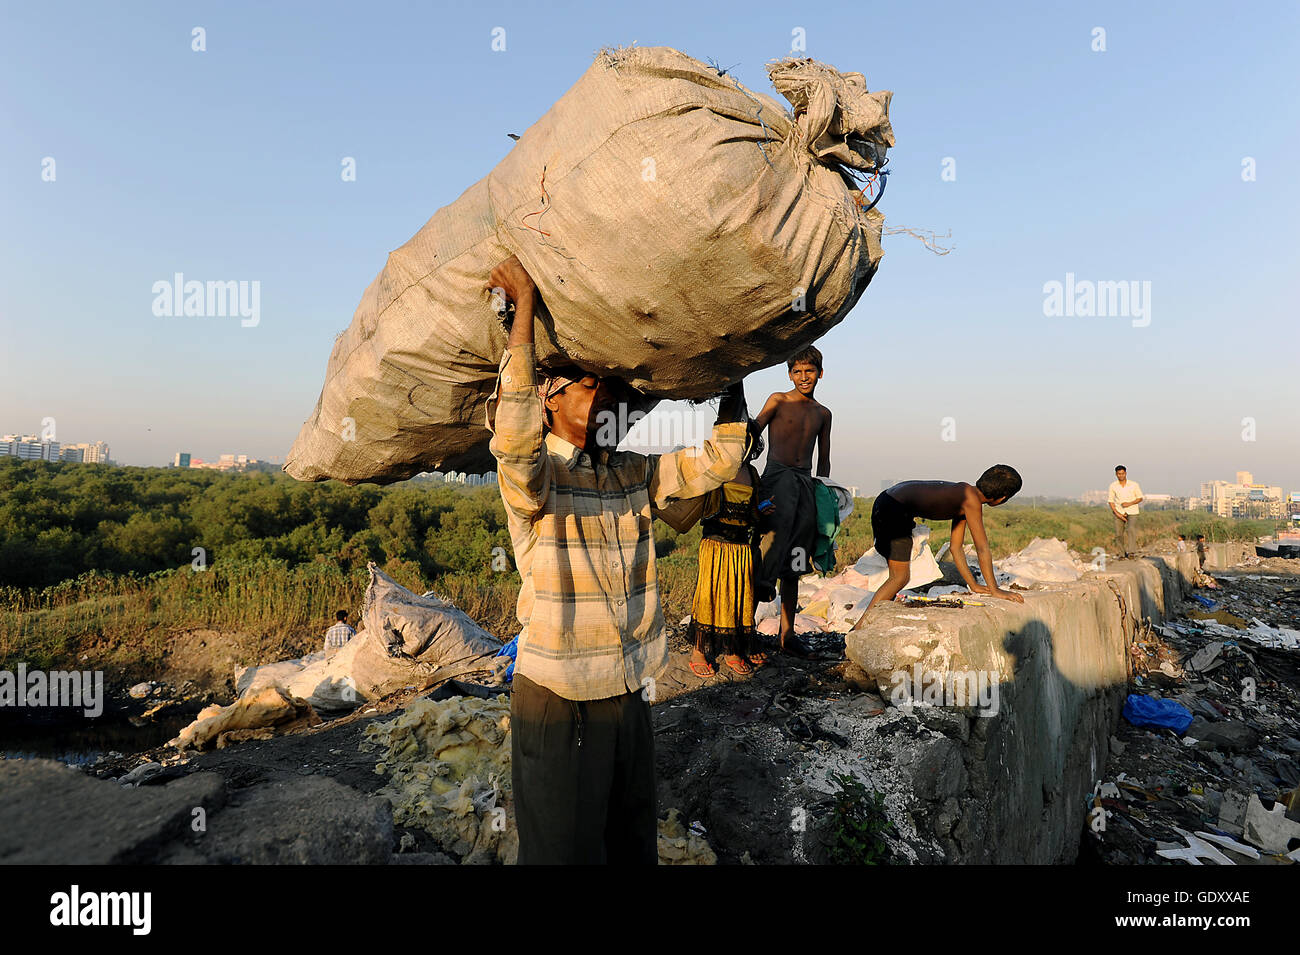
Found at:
<point>510,650</point>
<point>1205,602</point>
<point>1148,711</point>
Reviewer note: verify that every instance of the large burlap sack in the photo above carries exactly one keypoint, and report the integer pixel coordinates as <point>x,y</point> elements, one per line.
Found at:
<point>682,231</point>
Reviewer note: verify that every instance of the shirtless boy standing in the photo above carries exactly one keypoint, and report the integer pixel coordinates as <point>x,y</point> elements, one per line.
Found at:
<point>796,421</point>
<point>896,509</point>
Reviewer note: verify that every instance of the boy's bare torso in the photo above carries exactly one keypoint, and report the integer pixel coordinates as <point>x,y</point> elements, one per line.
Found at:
<point>933,500</point>
<point>794,428</point>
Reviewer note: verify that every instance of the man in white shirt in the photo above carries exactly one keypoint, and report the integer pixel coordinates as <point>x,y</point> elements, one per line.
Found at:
<point>1125,496</point>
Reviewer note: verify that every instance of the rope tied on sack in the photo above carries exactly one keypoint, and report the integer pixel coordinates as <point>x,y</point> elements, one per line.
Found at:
<point>758,112</point>
<point>542,211</point>
<point>881,176</point>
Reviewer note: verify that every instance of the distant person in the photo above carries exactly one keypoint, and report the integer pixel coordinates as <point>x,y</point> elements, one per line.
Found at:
<point>1200,550</point>
<point>1182,543</point>
<point>895,510</point>
<point>339,634</point>
<point>796,422</point>
<point>1124,497</point>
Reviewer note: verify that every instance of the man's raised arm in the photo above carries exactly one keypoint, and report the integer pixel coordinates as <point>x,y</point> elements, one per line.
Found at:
<point>514,411</point>
<point>691,472</point>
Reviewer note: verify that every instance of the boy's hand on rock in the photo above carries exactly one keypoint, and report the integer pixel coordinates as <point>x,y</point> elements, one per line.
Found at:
<point>1007,595</point>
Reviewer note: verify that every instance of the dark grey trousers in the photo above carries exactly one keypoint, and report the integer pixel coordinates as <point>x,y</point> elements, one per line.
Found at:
<point>583,778</point>
<point>1126,535</point>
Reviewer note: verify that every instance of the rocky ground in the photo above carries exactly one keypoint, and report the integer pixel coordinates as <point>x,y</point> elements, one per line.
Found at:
<point>1243,745</point>
<point>755,764</point>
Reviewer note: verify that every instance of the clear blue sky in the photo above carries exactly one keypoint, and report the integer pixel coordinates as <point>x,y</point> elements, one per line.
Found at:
<point>1116,165</point>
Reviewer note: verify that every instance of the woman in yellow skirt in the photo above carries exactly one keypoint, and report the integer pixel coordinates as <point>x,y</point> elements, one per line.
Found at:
<point>722,618</point>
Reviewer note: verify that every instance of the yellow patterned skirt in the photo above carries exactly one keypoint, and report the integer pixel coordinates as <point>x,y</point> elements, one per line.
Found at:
<point>722,618</point>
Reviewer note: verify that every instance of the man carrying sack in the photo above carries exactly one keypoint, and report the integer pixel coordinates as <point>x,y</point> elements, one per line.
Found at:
<point>592,642</point>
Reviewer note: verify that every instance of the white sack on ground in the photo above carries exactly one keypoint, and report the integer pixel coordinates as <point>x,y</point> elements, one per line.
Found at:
<point>259,714</point>
<point>683,231</point>
<point>1041,563</point>
<point>840,605</point>
<point>273,674</point>
<point>875,568</point>
<point>323,678</point>
<point>406,640</point>
<point>414,640</point>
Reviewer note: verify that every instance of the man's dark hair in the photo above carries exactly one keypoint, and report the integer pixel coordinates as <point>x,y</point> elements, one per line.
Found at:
<point>1120,467</point>
<point>1200,537</point>
<point>1001,480</point>
<point>341,615</point>
<point>810,355</point>
<point>1182,537</point>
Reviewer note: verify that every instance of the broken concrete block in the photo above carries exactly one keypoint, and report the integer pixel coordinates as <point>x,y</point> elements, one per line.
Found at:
<point>1116,747</point>
<point>142,772</point>
<point>1205,656</point>
<point>311,821</point>
<point>1269,829</point>
<point>1232,735</point>
<point>1232,812</point>
<point>53,815</point>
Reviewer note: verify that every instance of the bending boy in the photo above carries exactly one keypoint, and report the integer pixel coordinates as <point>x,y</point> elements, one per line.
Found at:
<point>895,511</point>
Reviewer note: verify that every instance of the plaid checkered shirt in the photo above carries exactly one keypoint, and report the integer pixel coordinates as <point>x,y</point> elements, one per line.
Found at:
<point>338,635</point>
<point>580,523</point>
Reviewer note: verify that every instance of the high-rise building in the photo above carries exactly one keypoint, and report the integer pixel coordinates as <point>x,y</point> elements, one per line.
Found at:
<point>1243,499</point>
<point>182,459</point>
<point>28,447</point>
<point>93,453</point>
<point>1245,477</point>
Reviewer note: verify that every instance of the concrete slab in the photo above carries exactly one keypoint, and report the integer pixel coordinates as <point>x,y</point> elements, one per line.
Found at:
<point>1056,668</point>
<point>51,814</point>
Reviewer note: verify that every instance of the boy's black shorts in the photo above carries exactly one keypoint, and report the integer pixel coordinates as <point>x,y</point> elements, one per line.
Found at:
<point>891,526</point>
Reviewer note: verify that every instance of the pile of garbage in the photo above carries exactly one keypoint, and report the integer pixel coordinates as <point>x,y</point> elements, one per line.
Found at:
<point>1205,767</point>
<point>259,714</point>
<point>1041,564</point>
<point>405,640</point>
<point>682,845</point>
<point>448,763</point>
<point>836,604</point>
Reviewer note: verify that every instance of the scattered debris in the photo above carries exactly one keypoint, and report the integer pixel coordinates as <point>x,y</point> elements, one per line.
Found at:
<point>681,846</point>
<point>449,768</point>
<point>1222,789</point>
<point>258,715</point>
